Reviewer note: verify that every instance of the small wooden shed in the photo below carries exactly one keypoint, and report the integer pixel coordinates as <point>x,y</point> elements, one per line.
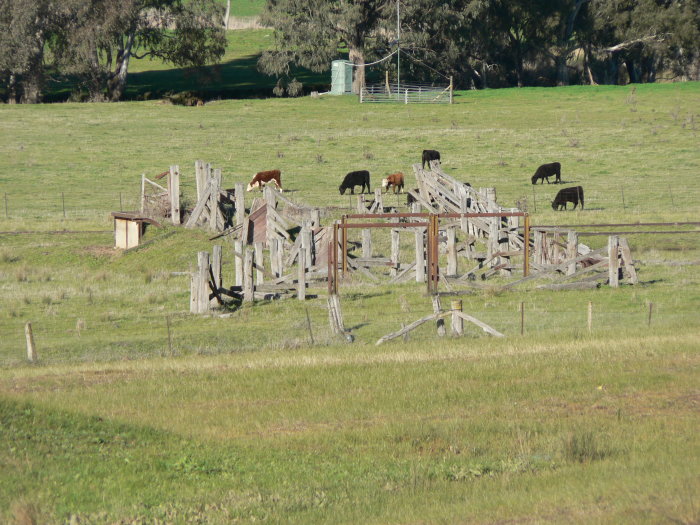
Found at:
<point>129,228</point>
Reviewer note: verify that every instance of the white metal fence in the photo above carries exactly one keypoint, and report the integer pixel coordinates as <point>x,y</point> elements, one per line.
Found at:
<point>406,93</point>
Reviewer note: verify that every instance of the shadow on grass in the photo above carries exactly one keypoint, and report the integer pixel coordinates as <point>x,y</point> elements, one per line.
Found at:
<point>238,78</point>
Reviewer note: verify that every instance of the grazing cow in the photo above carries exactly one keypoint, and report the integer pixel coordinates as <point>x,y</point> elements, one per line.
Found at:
<point>548,170</point>
<point>430,154</point>
<point>264,177</point>
<point>395,180</point>
<point>355,178</point>
<point>566,195</point>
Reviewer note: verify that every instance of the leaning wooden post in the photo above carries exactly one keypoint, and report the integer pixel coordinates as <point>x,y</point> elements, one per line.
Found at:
<point>238,262</point>
<point>216,271</point>
<point>420,255</point>
<point>395,246</point>
<point>457,321</point>
<point>240,203</point>
<point>571,252</point>
<point>31,348</point>
<point>174,193</point>
<point>451,251</point>
<point>613,262</point>
<point>259,263</point>
<point>301,279</point>
<point>248,289</point>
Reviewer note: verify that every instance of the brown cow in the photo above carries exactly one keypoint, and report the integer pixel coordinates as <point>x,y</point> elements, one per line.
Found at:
<point>395,180</point>
<point>264,177</point>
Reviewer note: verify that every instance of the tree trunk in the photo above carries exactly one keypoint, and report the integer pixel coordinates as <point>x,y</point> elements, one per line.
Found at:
<point>117,84</point>
<point>228,14</point>
<point>357,56</point>
<point>12,89</point>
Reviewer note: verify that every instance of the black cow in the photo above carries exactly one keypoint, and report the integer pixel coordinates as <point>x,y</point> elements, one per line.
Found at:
<point>548,170</point>
<point>355,178</point>
<point>573,194</point>
<point>428,155</point>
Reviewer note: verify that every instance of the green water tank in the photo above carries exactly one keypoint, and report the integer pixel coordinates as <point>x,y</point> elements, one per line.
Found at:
<point>341,77</point>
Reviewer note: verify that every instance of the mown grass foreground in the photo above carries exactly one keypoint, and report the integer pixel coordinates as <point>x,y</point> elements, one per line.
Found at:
<point>243,419</point>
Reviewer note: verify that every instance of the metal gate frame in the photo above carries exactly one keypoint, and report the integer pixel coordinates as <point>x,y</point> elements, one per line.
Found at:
<point>432,226</point>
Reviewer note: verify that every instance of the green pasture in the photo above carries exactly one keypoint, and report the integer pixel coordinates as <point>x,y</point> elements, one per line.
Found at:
<point>139,412</point>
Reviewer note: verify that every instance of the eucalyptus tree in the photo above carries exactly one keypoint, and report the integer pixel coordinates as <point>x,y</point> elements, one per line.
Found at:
<point>26,31</point>
<point>310,33</point>
<point>103,35</point>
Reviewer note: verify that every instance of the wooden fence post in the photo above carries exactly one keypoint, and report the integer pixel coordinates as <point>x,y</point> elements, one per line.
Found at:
<point>571,252</point>
<point>143,192</point>
<point>248,288</point>
<point>216,271</point>
<point>451,251</point>
<point>366,243</point>
<point>437,308</point>
<point>301,285</point>
<point>31,348</point>
<point>420,255</point>
<point>214,212</point>
<point>378,201</point>
<point>590,316</point>
<point>457,321</point>
<point>395,246</point>
<point>307,244</point>
<point>259,263</point>
<point>174,193</point>
<point>238,262</point>
<point>613,262</point>
<point>274,268</point>
<point>240,203</point>
<point>522,318</point>
<point>199,289</point>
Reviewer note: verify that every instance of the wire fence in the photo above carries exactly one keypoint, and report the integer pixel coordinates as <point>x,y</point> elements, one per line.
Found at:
<point>623,200</point>
<point>110,336</point>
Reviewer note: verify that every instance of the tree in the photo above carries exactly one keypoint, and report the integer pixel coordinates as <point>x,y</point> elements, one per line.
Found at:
<point>646,37</point>
<point>26,28</point>
<point>309,33</point>
<point>103,35</point>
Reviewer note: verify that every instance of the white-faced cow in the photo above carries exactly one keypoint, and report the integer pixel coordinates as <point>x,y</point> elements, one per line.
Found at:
<point>573,194</point>
<point>265,177</point>
<point>394,180</point>
<point>355,178</point>
<point>548,170</point>
<point>430,154</point>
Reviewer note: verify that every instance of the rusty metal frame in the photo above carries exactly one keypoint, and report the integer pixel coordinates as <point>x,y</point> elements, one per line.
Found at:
<point>432,226</point>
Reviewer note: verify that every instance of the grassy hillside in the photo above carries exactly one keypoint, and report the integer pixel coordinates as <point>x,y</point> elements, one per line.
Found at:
<point>139,411</point>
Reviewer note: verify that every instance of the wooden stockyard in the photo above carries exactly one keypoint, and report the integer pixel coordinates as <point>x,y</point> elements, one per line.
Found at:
<point>280,247</point>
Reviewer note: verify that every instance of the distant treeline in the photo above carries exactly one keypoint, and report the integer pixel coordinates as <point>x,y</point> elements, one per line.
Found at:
<point>494,43</point>
<point>479,43</point>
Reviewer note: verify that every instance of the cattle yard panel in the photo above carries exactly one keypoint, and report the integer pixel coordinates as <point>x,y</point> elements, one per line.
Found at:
<point>431,224</point>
